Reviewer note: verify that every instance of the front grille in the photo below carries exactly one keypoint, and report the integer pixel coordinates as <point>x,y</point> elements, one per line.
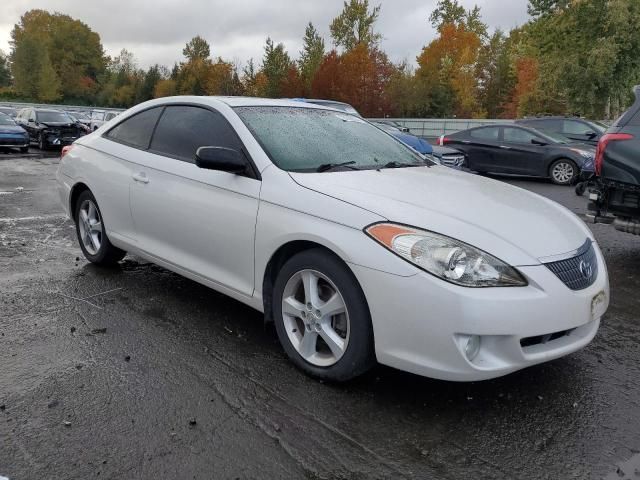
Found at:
<point>452,160</point>
<point>578,272</point>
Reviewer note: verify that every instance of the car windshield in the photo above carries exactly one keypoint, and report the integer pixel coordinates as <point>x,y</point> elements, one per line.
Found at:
<point>304,139</point>
<point>53,117</point>
<point>6,120</point>
<point>598,126</point>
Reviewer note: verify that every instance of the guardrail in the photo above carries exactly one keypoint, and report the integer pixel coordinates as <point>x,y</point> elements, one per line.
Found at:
<point>429,128</point>
<point>68,108</point>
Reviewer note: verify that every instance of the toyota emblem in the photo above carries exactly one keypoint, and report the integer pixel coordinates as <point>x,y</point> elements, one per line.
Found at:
<point>585,269</point>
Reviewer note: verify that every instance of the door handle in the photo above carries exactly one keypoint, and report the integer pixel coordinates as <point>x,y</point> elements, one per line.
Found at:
<point>505,147</point>
<point>140,177</point>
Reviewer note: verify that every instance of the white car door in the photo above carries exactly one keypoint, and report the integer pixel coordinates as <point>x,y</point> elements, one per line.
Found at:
<point>202,221</point>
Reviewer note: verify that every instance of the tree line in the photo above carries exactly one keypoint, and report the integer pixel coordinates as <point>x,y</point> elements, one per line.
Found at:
<point>571,57</point>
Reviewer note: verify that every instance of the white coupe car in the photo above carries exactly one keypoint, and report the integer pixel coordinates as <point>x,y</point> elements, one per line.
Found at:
<point>357,248</point>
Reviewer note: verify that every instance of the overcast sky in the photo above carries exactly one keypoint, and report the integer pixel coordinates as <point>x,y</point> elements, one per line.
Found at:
<point>156,30</point>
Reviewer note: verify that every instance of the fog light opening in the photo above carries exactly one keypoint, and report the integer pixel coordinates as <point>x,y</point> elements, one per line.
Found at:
<point>472,347</point>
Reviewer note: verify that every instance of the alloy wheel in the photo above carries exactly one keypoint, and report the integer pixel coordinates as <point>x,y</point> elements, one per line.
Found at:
<point>315,318</point>
<point>562,172</point>
<point>90,226</point>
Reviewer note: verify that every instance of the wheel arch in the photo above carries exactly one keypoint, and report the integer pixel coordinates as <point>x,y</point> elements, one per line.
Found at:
<point>76,190</point>
<point>278,259</point>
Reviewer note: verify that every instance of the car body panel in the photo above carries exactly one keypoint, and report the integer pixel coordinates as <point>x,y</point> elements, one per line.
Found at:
<point>413,196</point>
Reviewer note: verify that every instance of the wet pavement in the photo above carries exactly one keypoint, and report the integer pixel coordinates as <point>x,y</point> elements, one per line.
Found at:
<point>136,372</point>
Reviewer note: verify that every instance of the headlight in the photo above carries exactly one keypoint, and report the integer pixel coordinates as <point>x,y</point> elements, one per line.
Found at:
<point>584,153</point>
<point>445,257</point>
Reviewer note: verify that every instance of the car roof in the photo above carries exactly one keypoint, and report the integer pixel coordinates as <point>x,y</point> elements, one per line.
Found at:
<point>263,102</point>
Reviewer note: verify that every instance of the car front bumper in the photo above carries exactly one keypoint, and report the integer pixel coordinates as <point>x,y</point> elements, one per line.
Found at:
<point>421,323</point>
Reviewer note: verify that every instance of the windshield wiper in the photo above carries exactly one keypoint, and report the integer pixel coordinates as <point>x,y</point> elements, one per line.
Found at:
<point>325,167</point>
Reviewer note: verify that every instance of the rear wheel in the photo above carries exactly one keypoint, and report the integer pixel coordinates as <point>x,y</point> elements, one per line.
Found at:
<point>563,172</point>
<point>322,318</point>
<point>91,232</point>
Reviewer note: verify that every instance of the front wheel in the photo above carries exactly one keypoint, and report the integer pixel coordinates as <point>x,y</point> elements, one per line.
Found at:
<point>91,232</point>
<point>563,172</point>
<point>322,317</point>
<point>41,142</point>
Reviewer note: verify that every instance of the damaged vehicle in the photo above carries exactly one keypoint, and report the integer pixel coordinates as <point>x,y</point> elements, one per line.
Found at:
<point>356,247</point>
<point>616,196</point>
<point>49,128</point>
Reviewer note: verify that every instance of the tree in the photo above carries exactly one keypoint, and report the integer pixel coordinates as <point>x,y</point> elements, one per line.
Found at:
<point>311,55</point>
<point>447,67</point>
<point>275,66</point>
<point>354,25</point>
<point>48,84</point>
<point>325,83</point>
<point>292,85</point>
<point>451,12</point>
<point>165,88</point>
<point>5,73</point>
<point>73,51</point>
<point>196,48</point>
<point>495,75</point>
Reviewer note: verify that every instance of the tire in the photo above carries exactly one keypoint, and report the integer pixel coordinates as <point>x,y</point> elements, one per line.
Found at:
<point>580,188</point>
<point>41,143</point>
<point>348,330</point>
<point>24,149</point>
<point>563,171</point>
<point>96,247</point>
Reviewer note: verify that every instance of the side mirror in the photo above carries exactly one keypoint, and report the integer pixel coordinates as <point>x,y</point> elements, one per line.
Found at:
<point>535,141</point>
<point>220,158</point>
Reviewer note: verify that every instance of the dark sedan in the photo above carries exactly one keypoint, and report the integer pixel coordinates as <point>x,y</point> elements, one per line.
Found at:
<point>49,128</point>
<point>12,135</point>
<point>516,150</point>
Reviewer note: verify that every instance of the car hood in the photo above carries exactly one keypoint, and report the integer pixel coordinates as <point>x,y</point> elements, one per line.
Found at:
<point>11,129</point>
<point>440,150</point>
<point>418,144</point>
<point>515,225</point>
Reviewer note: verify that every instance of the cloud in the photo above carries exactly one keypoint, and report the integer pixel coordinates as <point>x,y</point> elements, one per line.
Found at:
<point>156,30</point>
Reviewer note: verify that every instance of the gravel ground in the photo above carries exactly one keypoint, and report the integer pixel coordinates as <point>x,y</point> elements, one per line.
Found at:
<point>139,373</point>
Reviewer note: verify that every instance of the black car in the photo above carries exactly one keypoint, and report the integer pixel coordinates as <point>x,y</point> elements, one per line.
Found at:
<point>573,128</point>
<point>49,128</point>
<point>516,150</point>
<point>617,198</point>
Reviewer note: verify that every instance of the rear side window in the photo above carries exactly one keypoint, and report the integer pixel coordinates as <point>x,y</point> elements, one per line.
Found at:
<point>184,129</point>
<point>490,133</point>
<point>136,131</point>
<point>517,135</point>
